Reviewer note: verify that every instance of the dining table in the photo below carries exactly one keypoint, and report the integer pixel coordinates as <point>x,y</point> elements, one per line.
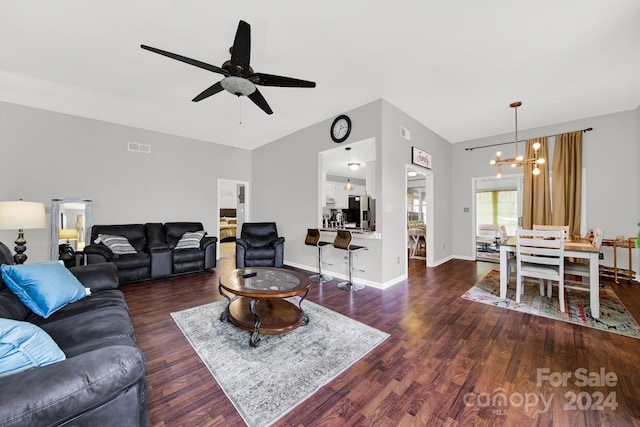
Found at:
<point>576,248</point>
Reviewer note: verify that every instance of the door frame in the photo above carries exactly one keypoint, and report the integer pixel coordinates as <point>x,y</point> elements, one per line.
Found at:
<point>474,188</point>
<point>429,186</point>
<point>247,200</point>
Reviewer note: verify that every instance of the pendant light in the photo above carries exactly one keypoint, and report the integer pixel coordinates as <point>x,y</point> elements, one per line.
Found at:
<point>518,160</point>
<point>348,185</point>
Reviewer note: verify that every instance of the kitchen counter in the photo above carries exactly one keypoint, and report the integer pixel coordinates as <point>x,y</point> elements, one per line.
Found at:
<point>356,232</point>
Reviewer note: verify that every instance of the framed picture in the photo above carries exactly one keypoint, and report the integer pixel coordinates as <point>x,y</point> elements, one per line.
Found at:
<point>420,158</point>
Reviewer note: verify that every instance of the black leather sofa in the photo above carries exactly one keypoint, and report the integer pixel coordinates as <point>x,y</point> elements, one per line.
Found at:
<point>155,246</point>
<point>259,246</point>
<point>102,380</point>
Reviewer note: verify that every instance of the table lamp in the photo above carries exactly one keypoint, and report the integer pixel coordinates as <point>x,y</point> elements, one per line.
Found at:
<point>20,215</point>
<point>67,233</point>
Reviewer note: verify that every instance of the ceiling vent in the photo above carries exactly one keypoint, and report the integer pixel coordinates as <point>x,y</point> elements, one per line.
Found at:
<point>139,148</point>
<point>405,133</point>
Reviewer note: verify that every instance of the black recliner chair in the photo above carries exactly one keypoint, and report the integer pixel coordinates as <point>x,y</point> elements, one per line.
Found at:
<point>259,246</point>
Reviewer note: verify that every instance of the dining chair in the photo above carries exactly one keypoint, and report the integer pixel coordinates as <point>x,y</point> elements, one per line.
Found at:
<point>564,228</point>
<point>581,268</point>
<point>540,254</point>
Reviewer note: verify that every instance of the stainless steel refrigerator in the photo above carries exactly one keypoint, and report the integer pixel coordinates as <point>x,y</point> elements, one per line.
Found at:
<point>359,211</point>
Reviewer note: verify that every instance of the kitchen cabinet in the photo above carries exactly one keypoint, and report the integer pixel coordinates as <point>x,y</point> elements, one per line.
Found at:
<point>334,191</point>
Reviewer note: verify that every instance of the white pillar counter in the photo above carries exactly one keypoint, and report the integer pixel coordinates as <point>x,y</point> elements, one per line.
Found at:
<point>367,263</point>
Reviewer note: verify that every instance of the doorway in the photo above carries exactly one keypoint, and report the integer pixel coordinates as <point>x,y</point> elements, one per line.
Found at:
<point>419,214</point>
<point>233,211</point>
<point>496,202</point>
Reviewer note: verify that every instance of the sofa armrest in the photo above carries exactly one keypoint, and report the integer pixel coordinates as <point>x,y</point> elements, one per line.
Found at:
<point>101,250</point>
<point>59,392</point>
<point>97,277</point>
<point>278,241</point>
<point>208,241</point>
<point>243,243</point>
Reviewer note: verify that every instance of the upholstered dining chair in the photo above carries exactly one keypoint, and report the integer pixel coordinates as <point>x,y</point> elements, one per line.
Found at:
<point>540,254</point>
<point>313,239</point>
<point>581,268</point>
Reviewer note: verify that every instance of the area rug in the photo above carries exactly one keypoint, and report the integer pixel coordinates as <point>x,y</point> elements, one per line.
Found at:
<point>267,381</point>
<point>614,316</point>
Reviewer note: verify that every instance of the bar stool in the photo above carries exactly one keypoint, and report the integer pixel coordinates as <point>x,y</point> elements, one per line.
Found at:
<point>313,239</point>
<point>343,241</point>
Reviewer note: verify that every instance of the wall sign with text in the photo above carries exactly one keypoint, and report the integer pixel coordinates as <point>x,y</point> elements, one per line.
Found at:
<point>420,158</point>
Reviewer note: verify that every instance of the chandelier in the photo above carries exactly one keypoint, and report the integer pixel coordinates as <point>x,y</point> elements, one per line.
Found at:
<point>518,160</point>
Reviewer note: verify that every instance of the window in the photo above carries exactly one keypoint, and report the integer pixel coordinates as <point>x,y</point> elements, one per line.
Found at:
<point>499,208</point>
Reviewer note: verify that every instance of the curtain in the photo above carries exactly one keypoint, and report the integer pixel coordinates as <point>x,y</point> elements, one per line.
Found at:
<point>567,181</point>
<point>536,200</point>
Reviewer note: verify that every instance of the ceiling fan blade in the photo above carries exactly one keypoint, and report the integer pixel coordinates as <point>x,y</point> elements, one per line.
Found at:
<point>211,90</point>
<point>259,100</point>
<point>186,60</point>
<point>241,50</point>
<point>272,80</point>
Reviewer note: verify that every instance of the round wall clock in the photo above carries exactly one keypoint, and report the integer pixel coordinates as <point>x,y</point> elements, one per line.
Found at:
<point>340,128</point>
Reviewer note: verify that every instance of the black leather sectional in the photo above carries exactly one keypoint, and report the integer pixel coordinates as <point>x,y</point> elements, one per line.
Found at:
<point>155,246</point>
<point>102,380</point>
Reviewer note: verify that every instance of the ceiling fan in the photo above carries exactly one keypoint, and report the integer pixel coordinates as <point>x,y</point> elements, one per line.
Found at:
<point>239,78</point>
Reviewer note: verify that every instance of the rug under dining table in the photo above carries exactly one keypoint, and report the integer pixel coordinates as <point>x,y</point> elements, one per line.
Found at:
<point>614,316</point>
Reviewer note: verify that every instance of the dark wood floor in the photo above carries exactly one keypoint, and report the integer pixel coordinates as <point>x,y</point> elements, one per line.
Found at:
<point>446,359</point>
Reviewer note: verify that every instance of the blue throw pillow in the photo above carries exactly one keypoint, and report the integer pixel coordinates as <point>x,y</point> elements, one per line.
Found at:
<point>24,345</point>
<point>44,287</point>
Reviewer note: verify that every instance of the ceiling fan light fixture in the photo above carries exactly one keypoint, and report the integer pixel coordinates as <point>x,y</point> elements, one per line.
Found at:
<point>238,86</point>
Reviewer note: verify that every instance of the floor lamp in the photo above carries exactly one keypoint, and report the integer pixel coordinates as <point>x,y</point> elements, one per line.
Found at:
<point>21,215</point>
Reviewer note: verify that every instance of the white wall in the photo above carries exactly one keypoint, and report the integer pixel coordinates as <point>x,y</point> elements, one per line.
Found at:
<point>610,156</point>
<point>47,154</point>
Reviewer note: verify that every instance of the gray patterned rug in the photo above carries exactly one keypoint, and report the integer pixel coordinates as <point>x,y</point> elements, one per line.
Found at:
<point>267,381</point>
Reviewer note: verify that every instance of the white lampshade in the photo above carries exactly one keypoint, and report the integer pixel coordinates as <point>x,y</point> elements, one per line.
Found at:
<point>22,215</point>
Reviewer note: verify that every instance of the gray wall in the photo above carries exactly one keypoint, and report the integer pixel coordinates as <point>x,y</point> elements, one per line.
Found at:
<point>396,154</point>
<point>610,156</point>
<point>285,177</point>
<point>47,154</point>
<point>285,186</point>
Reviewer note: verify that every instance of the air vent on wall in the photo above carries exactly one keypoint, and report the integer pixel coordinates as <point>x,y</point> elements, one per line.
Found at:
<point>405,133</point>
<point>139,148</point>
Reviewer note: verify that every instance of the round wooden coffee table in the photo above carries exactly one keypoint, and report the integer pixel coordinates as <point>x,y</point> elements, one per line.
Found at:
<point>257,303</point>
